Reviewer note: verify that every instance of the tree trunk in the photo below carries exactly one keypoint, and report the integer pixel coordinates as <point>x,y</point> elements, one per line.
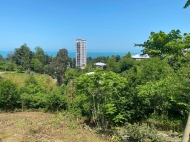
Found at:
<point>187,130</point>
<point>22,106</point>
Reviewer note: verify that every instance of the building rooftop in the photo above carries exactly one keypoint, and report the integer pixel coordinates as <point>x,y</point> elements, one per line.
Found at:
<point>80,39</point>
<point>140,56</point>
<point>89,73</point>
<point>100,64</point>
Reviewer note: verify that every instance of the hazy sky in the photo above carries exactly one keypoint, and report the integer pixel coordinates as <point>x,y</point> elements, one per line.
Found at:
<point>107,25</point>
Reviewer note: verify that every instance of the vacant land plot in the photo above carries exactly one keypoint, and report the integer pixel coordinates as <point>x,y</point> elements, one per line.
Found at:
<point>42,127</point>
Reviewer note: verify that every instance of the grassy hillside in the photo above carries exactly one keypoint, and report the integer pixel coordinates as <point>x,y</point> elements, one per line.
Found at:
<point>45,80</point>
<point>43,127</point>
<point>38,126</point>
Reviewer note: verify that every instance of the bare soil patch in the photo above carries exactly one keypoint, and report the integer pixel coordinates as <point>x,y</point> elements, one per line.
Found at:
<point>1,73</point>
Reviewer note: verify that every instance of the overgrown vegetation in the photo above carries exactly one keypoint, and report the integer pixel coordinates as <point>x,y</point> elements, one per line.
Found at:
<point>153,91</point>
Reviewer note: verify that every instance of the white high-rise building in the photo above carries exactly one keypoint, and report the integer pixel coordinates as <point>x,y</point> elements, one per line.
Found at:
<point>80,52</point>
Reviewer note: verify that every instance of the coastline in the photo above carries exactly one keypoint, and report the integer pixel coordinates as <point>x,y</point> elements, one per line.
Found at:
<point>73,54</point>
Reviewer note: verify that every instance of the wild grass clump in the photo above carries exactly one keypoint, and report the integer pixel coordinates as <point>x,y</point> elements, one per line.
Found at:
<point>143,133</point>
<point>19,78</point>
<point>147,133</point>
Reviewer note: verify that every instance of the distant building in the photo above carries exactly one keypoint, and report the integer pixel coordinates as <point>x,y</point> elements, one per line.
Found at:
<point>140,56</point>
<point>89,73</point>
<point>80,52</point>
<point>68,65</point>
<point>100,64</point>
<point>185,51</point>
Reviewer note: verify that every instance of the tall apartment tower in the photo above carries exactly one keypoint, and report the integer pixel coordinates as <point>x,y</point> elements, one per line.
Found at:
<point>80,52</point>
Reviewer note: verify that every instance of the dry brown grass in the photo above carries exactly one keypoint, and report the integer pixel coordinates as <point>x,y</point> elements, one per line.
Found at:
<point>1,73</point>
<point>44,127</point>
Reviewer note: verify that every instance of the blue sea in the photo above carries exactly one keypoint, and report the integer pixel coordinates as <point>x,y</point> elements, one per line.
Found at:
<point>73,54</point>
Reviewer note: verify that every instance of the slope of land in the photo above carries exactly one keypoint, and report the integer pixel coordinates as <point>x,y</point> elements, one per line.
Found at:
<point>39,126</point>
<point>19,78</point>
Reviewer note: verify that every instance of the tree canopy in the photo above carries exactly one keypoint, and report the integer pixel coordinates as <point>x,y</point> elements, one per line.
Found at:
<point>59,65</point>
<point>162,44</point>
<point>187,4</point>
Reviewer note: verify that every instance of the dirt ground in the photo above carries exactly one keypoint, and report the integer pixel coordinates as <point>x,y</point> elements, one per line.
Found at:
<point>1,73</point>
<point>44,127</point>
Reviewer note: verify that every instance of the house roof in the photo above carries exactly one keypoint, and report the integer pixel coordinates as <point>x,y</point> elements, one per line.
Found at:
<point>186,49</point>
<point>140,56</point>
<point>100,64</point>
<point>89,73</point>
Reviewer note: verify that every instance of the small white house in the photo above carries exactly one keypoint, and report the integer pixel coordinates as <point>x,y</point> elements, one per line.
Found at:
<point>140,56</point>
<point>89,73</point>
<point>100,64</point>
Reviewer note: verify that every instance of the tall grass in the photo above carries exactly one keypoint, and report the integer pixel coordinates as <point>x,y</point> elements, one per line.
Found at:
<point>19,78</point>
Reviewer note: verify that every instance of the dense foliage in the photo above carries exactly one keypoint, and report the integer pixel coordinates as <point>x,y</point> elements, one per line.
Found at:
<point>9,95</point>
<point>153,91</point>
<point>187,4</point>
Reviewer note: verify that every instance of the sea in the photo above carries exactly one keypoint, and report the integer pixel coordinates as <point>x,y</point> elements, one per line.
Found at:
<point>73,54</point>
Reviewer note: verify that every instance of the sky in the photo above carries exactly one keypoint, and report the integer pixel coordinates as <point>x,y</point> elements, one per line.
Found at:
<point>107,25</point>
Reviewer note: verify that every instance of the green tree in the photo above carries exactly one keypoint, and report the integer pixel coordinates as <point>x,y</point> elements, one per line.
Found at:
<point>101,96</point>
<point>159,96</point>
<point>1,78</point>
<point>3,65</point>
<point>1,57</point>
<point>11,66</point>
<point>184,100</point>
<point>117,58</point>
<point>23,56</point>
<point>144,71</point>
<point>32,94</point>
<point>162,44</point>
<point>69,75</point>
<point>20,69</point>
<point>169,46</point>
<point>126,62</point>
<point>112,65</point>
<point>40,55</point>
<point>32,86</point>
<point>55,101</point>
<point>36,65</point>
<point>59,65</point>
<point>9,95</point>
<point>187,4</point>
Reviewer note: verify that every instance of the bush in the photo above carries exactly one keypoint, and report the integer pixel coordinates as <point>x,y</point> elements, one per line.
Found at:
<point>9,95</point>
<point>55,102</point>
<point>143,133</point>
